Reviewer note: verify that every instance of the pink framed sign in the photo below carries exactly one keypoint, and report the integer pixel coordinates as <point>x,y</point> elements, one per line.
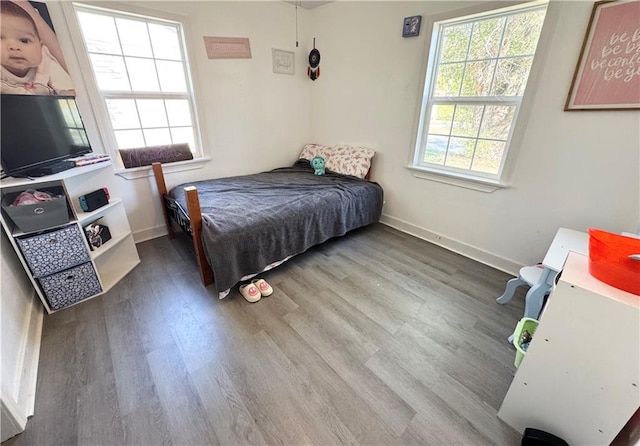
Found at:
<point>607,76</point>
<point>227,47</point>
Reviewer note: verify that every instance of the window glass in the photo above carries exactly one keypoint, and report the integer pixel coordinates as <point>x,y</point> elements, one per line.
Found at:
<point>455,42</point>
<point>134,37</point>
<point>123,113</point>
<point>171,76</point>
<point>152,113</point>
<point>99,33</point>
<point>178,112</point>
<point>485,39</point>
<point>129,139</point>
<point>496,121</point>
<point>182,135</point>
<point>477,78</point>
<point>467,120</point>
<point>142,73</point>
<point>522,33</point>
<point>156,137</point>
<point>449,79</point>
<point>166,44</point>
<point>111,73</point>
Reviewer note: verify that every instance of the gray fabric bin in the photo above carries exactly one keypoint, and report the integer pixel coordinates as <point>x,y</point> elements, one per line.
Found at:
<point>70,286</point>
<point>36,217</point>
<point>54,251</point>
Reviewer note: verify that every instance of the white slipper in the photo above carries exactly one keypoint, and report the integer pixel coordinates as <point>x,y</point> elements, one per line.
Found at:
<point>262,285</point>
<point>250,292</point>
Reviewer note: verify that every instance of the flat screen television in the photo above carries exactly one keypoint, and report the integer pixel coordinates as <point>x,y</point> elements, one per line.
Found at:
<point>38,133</point>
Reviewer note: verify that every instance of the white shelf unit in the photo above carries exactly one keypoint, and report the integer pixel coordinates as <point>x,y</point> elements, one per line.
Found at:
<point>116,257</point>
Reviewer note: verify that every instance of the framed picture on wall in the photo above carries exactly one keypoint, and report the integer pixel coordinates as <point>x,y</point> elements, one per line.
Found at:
<point>31,65</point>
<point>411,26</point>
<point>283,61</point>
<point>607,76</point>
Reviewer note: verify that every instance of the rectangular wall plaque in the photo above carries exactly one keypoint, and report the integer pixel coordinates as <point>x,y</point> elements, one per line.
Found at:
<point>227,47</point>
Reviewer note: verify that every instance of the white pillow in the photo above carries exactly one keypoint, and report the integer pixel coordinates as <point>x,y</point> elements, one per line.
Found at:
<point>349,160</point>
<point>311,150</point>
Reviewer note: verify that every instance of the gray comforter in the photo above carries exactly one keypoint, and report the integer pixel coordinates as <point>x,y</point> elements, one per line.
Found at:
<point>252,221</point>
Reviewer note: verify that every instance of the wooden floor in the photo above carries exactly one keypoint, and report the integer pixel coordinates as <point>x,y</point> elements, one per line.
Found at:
<point>373,338</point>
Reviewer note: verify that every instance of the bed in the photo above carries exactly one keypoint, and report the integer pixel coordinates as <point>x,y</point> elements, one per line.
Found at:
<point>244,225</point>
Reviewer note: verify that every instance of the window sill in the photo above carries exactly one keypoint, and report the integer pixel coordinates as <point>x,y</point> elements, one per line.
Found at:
<point>461,180</point>
<point>146,171</point>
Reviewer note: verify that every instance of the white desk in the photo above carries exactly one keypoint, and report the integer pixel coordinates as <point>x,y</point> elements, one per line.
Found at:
<point>580,378</point>
<point>566,240</point>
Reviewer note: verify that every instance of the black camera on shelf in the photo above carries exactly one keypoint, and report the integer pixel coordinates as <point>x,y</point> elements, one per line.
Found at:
<point>97,234</point>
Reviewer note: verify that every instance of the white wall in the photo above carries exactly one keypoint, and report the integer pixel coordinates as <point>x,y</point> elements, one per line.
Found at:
<point>574,169</point>
<point>250,118</point>
<point>20,328</point>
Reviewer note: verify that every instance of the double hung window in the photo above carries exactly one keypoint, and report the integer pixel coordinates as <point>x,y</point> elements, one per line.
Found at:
<point>476,76</point>
<point>142,79</point>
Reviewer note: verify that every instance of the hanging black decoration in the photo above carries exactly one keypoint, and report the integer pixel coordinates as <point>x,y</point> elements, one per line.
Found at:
<point>314,63</point>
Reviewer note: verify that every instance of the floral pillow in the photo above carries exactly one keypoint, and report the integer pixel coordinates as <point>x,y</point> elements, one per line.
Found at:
<point>349,160</point>
<point>311,150</point>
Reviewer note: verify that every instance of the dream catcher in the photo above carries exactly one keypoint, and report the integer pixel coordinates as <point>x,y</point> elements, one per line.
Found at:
<point>314,63</point>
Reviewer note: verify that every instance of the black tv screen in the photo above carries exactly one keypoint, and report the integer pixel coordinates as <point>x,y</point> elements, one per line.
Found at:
<point>38,131</point>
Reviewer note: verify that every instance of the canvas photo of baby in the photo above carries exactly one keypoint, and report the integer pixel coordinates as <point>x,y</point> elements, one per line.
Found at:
<point>31,58</point>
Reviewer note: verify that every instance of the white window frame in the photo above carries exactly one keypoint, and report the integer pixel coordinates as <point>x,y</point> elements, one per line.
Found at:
<point>463,177</point>
<point>97,99</point>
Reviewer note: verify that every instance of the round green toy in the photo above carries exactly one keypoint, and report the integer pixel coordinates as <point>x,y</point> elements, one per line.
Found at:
<point>318,165</point>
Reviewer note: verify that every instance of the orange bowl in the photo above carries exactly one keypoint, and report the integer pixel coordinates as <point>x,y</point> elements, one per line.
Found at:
<point>610,261</point>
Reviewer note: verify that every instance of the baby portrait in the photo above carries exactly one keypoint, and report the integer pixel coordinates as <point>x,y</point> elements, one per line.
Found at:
<point>31,57</point>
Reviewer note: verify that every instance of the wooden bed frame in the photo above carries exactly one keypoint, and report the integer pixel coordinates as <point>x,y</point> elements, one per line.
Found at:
<point>191,223</point>
<point>189,220</point>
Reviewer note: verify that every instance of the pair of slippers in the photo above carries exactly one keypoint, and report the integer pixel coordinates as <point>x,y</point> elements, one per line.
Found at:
<point>256,290</point>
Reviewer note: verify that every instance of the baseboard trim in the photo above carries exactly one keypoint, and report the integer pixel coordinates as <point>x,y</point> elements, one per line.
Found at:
<point>12,423</point>
<point>17,407</point>
<point>487,258</point>
<point>506,265</point>
<point>30,371</point>
<point>149,233</point>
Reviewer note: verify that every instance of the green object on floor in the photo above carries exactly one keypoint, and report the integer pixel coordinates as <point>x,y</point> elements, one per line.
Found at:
<point>524,332</point>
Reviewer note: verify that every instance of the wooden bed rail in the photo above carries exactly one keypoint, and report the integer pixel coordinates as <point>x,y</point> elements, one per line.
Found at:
<point>195,222</point>
<point>162,190</point>
<point>195,217</point>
